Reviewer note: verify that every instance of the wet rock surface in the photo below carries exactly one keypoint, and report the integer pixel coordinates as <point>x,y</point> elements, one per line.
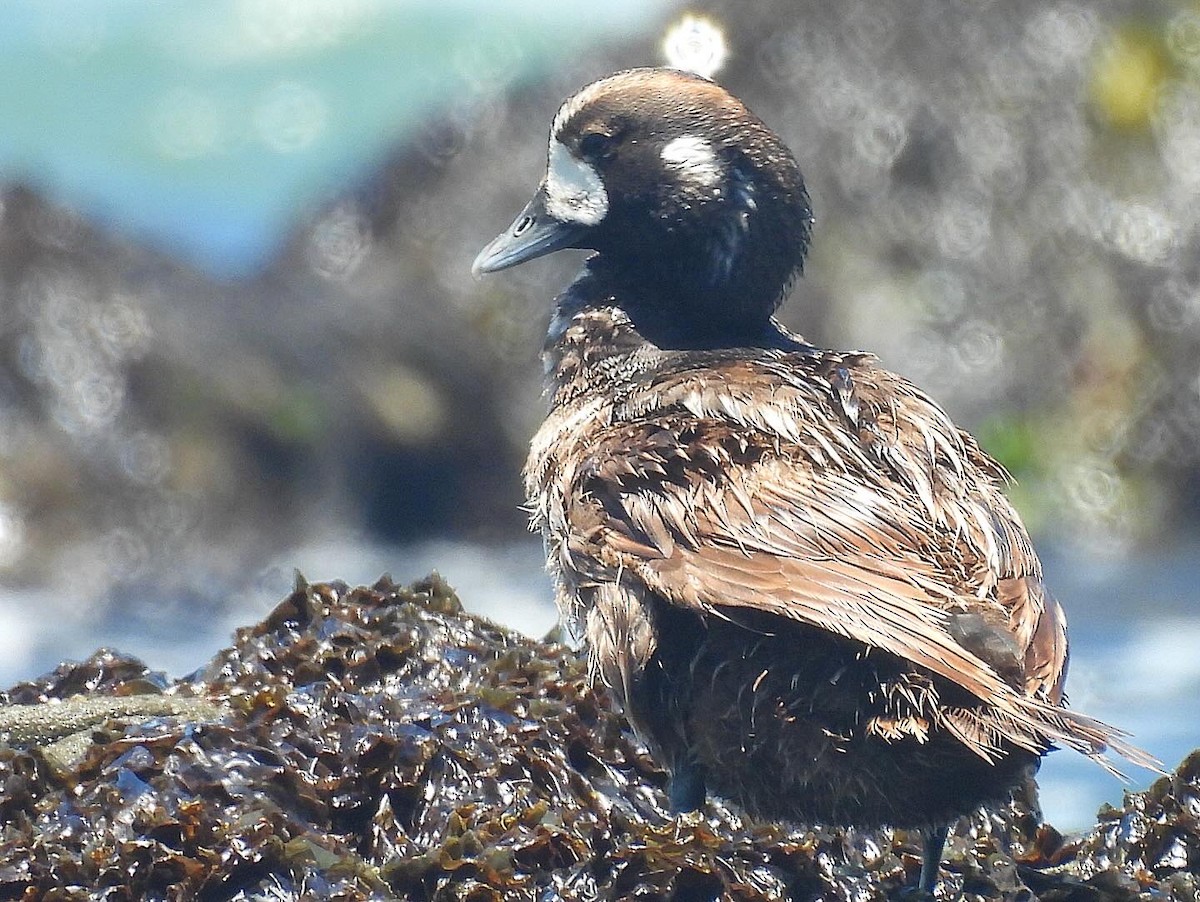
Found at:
<point>382,743</point>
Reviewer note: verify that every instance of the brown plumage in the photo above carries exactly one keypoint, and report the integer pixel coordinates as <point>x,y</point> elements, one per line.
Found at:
<point>802,581</point>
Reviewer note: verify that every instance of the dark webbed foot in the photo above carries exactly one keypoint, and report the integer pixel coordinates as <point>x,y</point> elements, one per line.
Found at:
<point>931,856</point>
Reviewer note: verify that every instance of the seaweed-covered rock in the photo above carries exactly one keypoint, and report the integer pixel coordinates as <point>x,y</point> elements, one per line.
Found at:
<point>380,742</point>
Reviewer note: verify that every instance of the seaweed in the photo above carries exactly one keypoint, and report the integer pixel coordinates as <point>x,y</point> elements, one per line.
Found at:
<point>381,742</point>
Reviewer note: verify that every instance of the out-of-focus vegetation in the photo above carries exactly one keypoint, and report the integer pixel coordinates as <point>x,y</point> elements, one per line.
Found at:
<point>1007,197</point>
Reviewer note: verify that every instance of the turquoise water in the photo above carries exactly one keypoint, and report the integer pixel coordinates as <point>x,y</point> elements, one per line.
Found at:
<point>1135,629</point>
<point>206,128</point>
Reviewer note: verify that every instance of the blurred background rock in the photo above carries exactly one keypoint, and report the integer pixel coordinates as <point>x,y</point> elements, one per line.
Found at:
<point>238,332</point>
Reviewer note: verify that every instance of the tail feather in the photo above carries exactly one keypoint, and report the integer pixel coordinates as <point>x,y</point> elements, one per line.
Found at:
<point>1093,738</point>
<point>1036,726</point>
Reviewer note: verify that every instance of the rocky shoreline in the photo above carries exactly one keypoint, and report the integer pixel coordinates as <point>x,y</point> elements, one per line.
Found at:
<point>375,743</point>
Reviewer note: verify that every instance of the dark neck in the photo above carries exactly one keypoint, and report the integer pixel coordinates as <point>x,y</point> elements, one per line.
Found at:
<point>674,310</point>
<point>616,322</point>
<point>597,335</point>
<point>660,326</point>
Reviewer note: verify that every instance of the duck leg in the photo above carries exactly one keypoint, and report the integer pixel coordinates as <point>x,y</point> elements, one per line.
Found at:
<point>931,855</point>
<point>686,788</point>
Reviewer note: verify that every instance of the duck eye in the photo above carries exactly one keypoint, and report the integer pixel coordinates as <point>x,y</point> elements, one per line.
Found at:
<point>597,146</point>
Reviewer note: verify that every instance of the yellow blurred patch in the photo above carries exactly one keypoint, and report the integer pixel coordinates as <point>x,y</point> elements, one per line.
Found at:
<point>1130,70</point>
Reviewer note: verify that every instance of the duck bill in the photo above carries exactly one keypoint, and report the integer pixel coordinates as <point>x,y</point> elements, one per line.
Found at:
<point>533,233</point>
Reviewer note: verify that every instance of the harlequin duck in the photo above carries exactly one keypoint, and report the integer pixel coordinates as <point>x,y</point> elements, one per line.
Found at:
<point>800,579</point>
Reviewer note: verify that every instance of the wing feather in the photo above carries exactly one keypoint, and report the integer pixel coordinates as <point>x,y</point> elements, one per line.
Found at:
<point>880,527</point>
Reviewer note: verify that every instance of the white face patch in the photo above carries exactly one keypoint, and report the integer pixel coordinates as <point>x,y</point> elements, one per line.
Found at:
<point>694,159</point>
<point>574,190</point>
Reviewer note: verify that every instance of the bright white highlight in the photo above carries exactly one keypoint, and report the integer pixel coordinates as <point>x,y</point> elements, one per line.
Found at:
<point>574,191</point>
<point>694,159</point>
<point>695,44</point>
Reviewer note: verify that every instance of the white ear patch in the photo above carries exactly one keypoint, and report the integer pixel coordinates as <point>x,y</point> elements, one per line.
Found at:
<point>694,159</point>
<point>574,190</point>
